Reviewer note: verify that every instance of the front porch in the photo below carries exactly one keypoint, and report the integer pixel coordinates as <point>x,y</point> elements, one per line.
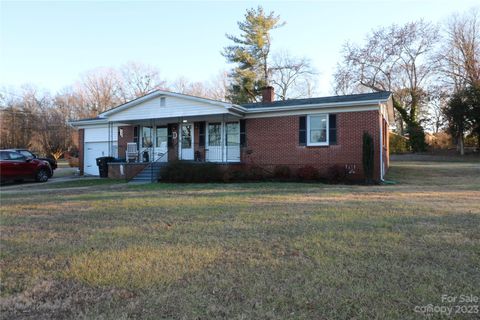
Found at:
<point>143,145</point>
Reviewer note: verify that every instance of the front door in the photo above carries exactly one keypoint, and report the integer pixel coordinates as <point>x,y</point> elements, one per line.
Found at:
<point>186,150</point>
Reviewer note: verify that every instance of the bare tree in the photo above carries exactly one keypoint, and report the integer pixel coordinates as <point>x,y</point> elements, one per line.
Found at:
<point>53,136</point>
<point>194,88</point>
<point>139,79</point>
<point>99,90</point>
<point>15,121</point>
<point>291,77</point>
<point>394,59</point>
<point>460,53</point>
<point>218,86</point>
<point>438,99</point>
<point>215,89</point>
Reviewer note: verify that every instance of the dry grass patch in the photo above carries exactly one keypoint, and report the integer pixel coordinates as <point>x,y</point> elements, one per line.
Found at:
<point>242,251</point>
<point>139,267</point>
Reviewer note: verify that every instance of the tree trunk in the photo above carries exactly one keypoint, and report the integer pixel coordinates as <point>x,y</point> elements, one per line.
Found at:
<point>460,146</point>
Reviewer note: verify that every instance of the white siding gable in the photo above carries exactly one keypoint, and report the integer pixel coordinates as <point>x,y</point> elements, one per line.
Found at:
<point>174,107</point>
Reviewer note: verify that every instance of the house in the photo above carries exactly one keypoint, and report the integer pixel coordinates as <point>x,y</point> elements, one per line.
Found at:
<point>164,126</point>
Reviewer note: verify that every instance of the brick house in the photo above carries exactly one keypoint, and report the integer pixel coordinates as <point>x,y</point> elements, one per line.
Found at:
<point>163,126</point>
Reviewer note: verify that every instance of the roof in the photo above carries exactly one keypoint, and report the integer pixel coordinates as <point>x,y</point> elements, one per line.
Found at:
<point>261,107</point>
<point>382,95</point>
<point>88,119</point>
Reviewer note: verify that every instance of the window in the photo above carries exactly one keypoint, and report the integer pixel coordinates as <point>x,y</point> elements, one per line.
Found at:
<point>214,134</point>
<point>27,154</point>
<point>186,136</point>
<point>4,155</point>
<point>317,130</point>
<point>163,101</point>
<point>17,156</point>
<point>161,137</point>
<point>147,137</point>
<point>233,134</point>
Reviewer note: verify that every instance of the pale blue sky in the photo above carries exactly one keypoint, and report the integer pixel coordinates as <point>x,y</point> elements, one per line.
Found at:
<point>49,44</point>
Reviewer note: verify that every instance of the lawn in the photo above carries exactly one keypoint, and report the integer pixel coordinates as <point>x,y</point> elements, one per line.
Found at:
<point>244,251</point>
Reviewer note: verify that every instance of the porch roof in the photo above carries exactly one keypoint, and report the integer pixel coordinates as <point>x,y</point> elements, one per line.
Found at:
<point>186,119</point>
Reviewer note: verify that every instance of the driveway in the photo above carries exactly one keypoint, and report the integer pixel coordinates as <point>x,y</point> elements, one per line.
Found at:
<point>61,174</point>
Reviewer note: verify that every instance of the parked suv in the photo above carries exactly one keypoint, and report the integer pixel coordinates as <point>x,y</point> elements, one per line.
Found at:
<point>15,166</point>
<point>27,153</point>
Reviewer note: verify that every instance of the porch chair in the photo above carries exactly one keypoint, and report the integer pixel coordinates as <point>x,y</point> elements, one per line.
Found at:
<point>132,151</point>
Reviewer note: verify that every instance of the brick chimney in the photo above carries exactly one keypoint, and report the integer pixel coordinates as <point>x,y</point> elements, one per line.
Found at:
<point>267,94</point>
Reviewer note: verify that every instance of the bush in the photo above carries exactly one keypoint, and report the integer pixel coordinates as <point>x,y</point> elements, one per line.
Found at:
<point>256,173</point>
<point>398,143</point>
<point>73,162</point>
<point>368,156</point>
<point>179,171</point>
<point>282,172</point>
<point>235,174</point>
<point>307,173</point>
<point>336,174</point>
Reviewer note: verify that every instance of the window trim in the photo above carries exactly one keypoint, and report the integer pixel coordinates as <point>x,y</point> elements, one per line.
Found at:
<point>318,144</point>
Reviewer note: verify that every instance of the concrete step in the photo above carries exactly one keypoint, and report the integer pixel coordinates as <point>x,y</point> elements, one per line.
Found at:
<point>149,174</point>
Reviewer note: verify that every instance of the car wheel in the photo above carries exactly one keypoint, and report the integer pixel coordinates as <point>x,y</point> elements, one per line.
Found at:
<point>42,175</point>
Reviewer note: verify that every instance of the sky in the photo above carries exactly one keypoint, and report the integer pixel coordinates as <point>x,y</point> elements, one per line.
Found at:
<point>51,44</point>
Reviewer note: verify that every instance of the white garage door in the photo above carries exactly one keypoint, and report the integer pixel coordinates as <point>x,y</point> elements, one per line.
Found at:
<point>94,150</point>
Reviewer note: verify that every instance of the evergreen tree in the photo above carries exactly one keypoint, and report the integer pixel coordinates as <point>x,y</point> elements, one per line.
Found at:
<point>463,114</point>
<point>368,156</point>
<point>250,52</point>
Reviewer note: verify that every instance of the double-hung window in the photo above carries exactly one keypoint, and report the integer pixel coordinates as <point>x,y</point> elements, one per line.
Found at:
<point>317,130</point>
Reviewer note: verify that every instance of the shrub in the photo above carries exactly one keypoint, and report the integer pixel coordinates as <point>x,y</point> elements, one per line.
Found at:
<point>254,172</point>
<point>73,162</point>
<point>307,173</point>
<point>398,143</point>
<point>336,174</point>
<point>235,174</point>
<point>282,172</point>
<point>179,171</point>
<point>368,157</point>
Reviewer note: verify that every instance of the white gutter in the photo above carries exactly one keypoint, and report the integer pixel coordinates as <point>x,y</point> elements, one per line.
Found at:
<point>312,106</point>
<point>381,147</point>
<point>79,123</point>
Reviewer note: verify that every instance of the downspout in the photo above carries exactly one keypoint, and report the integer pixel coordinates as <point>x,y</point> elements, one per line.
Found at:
<point>381,144</point>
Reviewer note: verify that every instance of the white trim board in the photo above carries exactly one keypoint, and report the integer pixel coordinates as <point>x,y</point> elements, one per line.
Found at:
<point>311,111</point>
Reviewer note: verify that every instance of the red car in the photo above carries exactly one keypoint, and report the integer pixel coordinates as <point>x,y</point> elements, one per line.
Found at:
<point>16,167</point>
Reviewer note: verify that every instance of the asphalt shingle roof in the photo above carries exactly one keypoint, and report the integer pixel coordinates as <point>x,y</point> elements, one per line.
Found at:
<point>382,95</point>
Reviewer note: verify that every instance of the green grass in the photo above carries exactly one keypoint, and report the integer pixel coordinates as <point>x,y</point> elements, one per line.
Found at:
<point>80,183</point>
<point>102,249</point>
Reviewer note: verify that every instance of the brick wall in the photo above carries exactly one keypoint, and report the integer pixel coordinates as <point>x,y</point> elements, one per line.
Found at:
<point>81,145</point>
<point>122,141</point>
<point>128,171</point>
<point>274,141</point>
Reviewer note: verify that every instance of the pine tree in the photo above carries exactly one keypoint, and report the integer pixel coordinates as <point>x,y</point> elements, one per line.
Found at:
<point>250,52</point>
